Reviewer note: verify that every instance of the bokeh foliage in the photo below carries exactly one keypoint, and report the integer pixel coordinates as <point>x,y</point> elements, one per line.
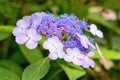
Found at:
<point>15,58</point>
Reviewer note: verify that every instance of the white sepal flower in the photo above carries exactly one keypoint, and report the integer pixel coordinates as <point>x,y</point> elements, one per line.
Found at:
<point>30,38</point>
<point>85,41</point>
<point>55,48</point>
<point>73,55</point>
<point>95,31</point>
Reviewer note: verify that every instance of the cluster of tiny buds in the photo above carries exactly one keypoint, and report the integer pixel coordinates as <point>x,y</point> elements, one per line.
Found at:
<point>64,36</point>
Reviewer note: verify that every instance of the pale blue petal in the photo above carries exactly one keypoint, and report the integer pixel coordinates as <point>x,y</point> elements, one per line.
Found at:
<point>37,37</point>
<point>21,38</point>
<point>58,45</point>
<point>31,32</point>
<point>36,19</point>
<point>26,18</point>
<point>83,40</point>
<point>53,56</point>
<point>69,51</point>
<point>61,54</point>
<point>88,62</point>
<point>31,44</point>
<point>68,58</point>
<point>91,53</point>
<point>17,31</point>
<point>85,63</point>
<point>22,23</point>
<point>91,45</point>
<point>93,28</point>
<point>92,63</point>
<point>48,46</point>
<point>99,34</point>
<point>77,61</point>
<point>84,44</point>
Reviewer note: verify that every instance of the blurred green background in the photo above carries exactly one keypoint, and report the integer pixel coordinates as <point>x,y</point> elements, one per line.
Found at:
<point>104,13</point>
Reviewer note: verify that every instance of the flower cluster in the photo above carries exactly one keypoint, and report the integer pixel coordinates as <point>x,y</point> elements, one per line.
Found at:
<point>65,38</point>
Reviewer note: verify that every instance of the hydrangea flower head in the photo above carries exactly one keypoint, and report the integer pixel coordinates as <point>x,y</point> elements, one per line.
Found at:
<point>64,37</point>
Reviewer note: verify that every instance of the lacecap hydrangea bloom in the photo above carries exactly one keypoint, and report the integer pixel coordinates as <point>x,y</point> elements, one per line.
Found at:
<point>65,37</point>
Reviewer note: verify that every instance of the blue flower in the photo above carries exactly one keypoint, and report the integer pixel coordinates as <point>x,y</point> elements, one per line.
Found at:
<point>65,37</point>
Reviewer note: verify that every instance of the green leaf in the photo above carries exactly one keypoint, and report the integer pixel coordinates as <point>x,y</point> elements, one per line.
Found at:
<point>4,35</point>
<point>73,72</point>
<point>17,57</point>
<point>11,66</point>
<point>5,32</point>
<point>115,42</point>
<point>108,54</point>
<point>31,55</point>
<point>7,75</point>
<point>7,28</point>
<point>37,70</point>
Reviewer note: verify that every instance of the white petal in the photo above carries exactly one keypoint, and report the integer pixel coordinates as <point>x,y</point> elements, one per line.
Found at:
<point>69,51</point>
<point>77,61</point>
<point>99,34</point>
<point>61,54</point>
<point>53,56</point>
<point>36,37</point>
<point>26,18</point>
<point>48,46</point>
<point>53,40</point>
<point>77,53</point>
<point>90,44</point>
<point>53,45</point>
<point>21,38</point>
<point>89,62</point>
<point>22,23</point>
<point>17,31</point>
<point>58,45</point>
<point>93,28</point>
<point>83,39</point>
<point>84,44</point>
<point>91,53</point>
<point>31,32</point>
<point>68,58</point>
<point>85,65</point>
<point>76,50</point>
<point>31,44</point>
<point>92,63</point>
